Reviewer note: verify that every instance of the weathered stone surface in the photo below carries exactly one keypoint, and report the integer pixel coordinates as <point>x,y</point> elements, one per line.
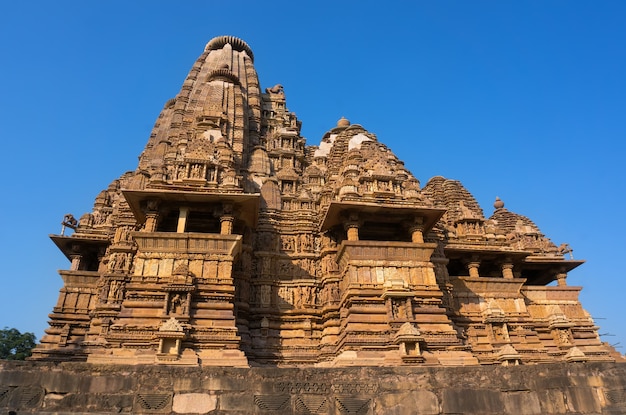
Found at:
<point>237,401</point>
<point>332,391</point>
<point>418,402</point>
<point>188,403</point>
<point>472,401</point>
<point>522,403</point>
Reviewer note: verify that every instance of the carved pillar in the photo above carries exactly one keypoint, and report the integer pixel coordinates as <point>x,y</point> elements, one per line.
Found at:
<point>182,219</point>
<point>417,231</point>
<point>472,267</point>
<point>226,222</point>
<point>560,279</point>
<point>151,221</point>
<point>152,215</point>
<point>352,226</point>
<point>75,262</point>
<point>75,257</point>
<point>507,271</point>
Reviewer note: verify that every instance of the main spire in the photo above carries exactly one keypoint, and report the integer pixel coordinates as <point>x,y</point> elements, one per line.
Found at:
<point>203,136</point>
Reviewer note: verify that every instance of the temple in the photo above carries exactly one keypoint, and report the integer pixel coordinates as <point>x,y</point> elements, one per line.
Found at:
<point>234,243</point>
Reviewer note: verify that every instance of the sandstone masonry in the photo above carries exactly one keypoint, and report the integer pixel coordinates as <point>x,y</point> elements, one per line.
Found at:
<point>235,244</point>
<point>73,388</point>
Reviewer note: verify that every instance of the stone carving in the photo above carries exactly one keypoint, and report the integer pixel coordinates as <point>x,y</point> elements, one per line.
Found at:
<point>153,401</point>
<point>171,325</point>
<point>276,89</point>
<point>119,262</point>
<point>270,251</point>
<point>116,291</point>
<point>271,402</point>
<point>566,249</point>
<point>68,222</point>
<point>312,404</point>
<point>178,304</point>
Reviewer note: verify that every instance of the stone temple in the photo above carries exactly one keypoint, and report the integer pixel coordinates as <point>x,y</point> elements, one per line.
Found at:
<point>234,243</point>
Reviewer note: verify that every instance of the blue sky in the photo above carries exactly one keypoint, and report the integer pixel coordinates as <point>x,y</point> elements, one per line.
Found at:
<point>523,100</point>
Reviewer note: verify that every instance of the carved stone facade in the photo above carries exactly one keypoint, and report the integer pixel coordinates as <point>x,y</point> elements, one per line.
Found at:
<point>234,243</point>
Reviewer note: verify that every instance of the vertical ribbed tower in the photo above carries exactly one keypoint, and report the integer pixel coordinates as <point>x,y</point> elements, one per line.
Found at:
<point>208,130</point>
<point>152,265</point>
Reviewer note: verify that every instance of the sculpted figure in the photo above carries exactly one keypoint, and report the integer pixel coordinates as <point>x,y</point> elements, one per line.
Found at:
<point>288,244</point>
<point>266,295</point>
<point>566,249</point>
<point>113,262</point>
<point>395,309</point>
<point>115,291</point>
<point>306,295</point>
<point>69,221</point>
<point>176,304</point>
<point>276,89</point>
<point>297,297</point>
<point>104,293</point>
<point>334,292</point>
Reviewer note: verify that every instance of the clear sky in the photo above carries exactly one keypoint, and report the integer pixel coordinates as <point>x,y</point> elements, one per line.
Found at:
<point>525,100</point>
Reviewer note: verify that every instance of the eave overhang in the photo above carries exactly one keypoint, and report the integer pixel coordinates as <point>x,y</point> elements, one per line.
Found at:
<point>245,204</point>
<point>393,212</point>
<point>76,245</point>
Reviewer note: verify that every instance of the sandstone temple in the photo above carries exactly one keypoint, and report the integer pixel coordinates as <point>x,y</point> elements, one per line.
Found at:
<point>234,243</point>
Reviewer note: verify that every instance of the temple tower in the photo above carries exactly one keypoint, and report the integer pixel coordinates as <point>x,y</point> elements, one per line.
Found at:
<point>235,243</point>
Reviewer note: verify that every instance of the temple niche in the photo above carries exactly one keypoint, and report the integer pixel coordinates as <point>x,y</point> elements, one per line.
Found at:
<point>235,243</point>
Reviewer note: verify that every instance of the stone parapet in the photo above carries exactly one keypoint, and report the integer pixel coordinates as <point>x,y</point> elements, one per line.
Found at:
<point>187,242</point>
<point>73,388</point>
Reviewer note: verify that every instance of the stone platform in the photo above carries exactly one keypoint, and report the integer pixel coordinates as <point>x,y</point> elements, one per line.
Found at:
<point>72,388</point>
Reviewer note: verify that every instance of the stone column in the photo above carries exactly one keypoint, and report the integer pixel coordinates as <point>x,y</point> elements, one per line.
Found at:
<point>352,229</point>
<point>76,257</point>
<point>182,219</point>
<point>226,224</point>
<point>75,262</point>
<point>151,221</point>
<point>507,271</point>
<point>351,225</point>
<point>152,215</point>
<point>417,231</point>
<point>472,267</point>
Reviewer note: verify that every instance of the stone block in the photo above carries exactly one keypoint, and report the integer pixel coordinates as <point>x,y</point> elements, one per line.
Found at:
<point>19,377</point>
<point>196,403</point>
<point>109,384</point>
<point>472,401</point>
<point>62,382</point>
<point>522,403</point>
<point>243,402</point>
<point>223,383</point>
<point>583,400</point>
<point>186,384</point>
<point>420,402</point>
<point>552,401</point>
